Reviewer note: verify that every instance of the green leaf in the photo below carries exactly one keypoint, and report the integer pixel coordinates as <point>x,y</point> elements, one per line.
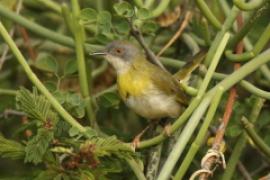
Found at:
<point>70,67</point>
<point>35,106</point>
<point>234,130</point>
<point>11,149</point>
<point>37,146</point>
<point>50,85</point>
<point>88,15</point>
<point>46,62</point>
<point>73,131</point>
<point>124,9</point>
<point>143,14</point>
<point>104,22</point>
<point>149,27</point>
<point>109,99</point>
<point>122,26</point>
<point>47,175</point>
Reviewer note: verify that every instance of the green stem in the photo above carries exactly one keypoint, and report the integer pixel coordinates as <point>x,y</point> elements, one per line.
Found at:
<point>51,4</point>
<point>44,32</point>
<point>41,31</point>
<point>191,43</point>
<point>149,3</point>
<point>262,41</point>
<point>266,72</point>
<point>206,32</point>
<point>252,19</point>
<point>258,141</point>
<point>67,17</point>
<point>33,78</point>
<point>208,14</point>
<point>8,92</point>
<point>201,135</point>
<point>79,41</point>
<point>245,84</point>
<point>241,142</point>
<point>162,6</point>
<point>225,28</point>
<point>139,3</point>
<point>136,169</point>
<point>249,6</point>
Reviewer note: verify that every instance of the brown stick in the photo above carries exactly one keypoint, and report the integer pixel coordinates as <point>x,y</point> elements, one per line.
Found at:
<point>213,160</point>
<point>25,36</point>
<point>177,34</point>
<point>151,56</point>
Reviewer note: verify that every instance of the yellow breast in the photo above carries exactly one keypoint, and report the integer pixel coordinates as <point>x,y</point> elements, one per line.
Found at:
<point>132,83</point>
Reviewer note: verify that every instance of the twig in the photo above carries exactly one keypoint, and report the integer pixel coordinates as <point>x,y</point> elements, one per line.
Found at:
<point>177,34</point>
<point>244,171</point>
<point>138,36</point>
<point>8,112</point>
<point>211,162</point>
<point>25,36</point>
<point>11,33</point>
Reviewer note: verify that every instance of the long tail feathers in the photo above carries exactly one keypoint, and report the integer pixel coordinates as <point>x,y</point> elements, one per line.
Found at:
<point>190,66</point>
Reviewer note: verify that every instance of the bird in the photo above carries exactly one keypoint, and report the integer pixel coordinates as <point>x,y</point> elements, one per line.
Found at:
<point>144,87</point>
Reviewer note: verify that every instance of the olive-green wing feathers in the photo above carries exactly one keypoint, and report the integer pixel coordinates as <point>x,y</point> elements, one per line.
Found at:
<point>168,84</point>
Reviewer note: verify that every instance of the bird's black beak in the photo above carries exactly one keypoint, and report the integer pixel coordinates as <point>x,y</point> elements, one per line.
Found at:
<point>102,53</point>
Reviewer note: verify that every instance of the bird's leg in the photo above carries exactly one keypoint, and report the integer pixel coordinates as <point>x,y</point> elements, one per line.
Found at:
<point>136,140</point>
<point>167,127</point>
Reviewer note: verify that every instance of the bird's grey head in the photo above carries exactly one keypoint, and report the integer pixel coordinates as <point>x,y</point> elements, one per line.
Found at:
<point>121,54</point>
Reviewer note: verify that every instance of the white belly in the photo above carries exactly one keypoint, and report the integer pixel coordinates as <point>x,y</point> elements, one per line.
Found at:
<point>154,105</point>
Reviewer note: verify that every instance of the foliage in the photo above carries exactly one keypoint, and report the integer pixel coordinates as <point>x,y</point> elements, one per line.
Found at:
<point>73,125</point>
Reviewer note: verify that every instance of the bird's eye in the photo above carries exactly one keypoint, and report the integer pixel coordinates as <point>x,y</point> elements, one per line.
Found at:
<point>118,51</point>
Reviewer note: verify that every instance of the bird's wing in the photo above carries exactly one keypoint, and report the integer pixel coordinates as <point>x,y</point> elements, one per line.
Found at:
<point>167,83</point>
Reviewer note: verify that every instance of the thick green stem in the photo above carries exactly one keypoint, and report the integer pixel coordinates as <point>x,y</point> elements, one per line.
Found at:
<point>249,6</point>
<point>208,14</point>
<point>160,8</point>
<point>252,19</point>
<point>241,142</point>
<point>139,3</point>
<point>266,72</point>
<point>258,47</point>
<point>225,28</point>
<point>258,141</point>
<point>201,135</point>
<point>33,78</point>
<point>136,169</point>
<point>79,41</point>
<point>51,4</point>
<point>8,92</point>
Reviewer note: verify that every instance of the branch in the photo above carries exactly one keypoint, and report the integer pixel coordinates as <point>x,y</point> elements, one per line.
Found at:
<point>138,36</point>
<point>177,34</point>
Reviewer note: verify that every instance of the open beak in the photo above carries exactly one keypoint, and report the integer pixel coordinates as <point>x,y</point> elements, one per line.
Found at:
<point>98,54</point>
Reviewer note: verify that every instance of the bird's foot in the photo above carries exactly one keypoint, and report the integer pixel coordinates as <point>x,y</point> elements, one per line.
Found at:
<point>168,129</point>
<point>136,141</point>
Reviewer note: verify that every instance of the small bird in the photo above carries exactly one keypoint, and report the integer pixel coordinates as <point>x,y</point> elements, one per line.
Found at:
<point>150,91</point>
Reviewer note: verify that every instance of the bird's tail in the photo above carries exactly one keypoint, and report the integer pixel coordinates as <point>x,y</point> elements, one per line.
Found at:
<point>190,66</point>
